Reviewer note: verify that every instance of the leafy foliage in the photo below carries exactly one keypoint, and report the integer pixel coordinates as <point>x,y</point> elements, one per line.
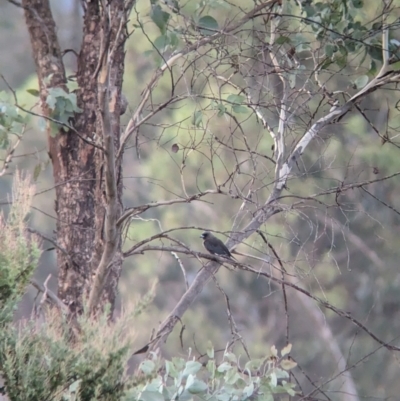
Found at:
<point>224,380</point>
<point>50,362</point>
<point>207,25</point>
<point>63,106</point>
<point>11,121</point>
<point>19,252</point>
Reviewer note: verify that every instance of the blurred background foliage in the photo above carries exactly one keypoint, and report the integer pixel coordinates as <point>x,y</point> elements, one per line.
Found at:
<point>344,250</point>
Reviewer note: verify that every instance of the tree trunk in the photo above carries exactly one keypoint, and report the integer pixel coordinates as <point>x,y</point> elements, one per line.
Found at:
<point>78,165</point>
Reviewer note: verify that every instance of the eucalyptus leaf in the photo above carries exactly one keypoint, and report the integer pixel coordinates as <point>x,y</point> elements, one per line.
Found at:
<point>208,25</point>
<point>361,81</point>
<point>159,17</point>
<point>33,92</point>
<point>161,43</point>
<point>147,366</point>
<point>191,368</point>
<point>236,99</point>
<point>197,119</point>
<point>239,109</point>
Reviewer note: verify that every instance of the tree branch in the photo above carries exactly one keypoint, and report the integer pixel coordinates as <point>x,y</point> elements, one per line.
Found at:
<point>134,211</point>
<point>50,295</point>
<point>269,209</point>
<point>111,230</point>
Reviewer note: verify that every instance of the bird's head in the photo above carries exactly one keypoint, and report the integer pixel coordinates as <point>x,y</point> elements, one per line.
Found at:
<point>205,235</point>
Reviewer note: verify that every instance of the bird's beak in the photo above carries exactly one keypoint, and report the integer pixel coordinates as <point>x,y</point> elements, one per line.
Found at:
<point>201,236</point>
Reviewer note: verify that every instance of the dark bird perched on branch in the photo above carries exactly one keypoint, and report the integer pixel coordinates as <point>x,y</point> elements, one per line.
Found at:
<point>215,246</point>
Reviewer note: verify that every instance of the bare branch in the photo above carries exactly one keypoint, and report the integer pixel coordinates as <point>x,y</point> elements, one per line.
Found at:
<point>142,208</point>
<point>9,156</point>
<point>50,296</point>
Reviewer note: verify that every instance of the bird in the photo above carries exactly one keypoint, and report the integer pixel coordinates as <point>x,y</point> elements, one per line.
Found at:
<point>215,246</point>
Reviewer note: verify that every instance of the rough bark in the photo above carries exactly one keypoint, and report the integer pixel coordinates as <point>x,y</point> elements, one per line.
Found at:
<point>78,165</point>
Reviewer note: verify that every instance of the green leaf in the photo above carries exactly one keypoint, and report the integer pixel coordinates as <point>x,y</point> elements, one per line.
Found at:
<point>173,39</point>
<point>268,397</point>
<point>3,96</point>
<point>343,51</point>
<point>155,384</point>
<point>358,3</point>
<point>33,92</point>
<point>60,105</point>
<point>254,364</point>
<point>327,62</point>
<point>281,374</point>
<point>151,396</point>
<point>161,43</point>
<point>274,379</point>
<point>236,99</point>
<point>195,386</point>
<point>51,101</point>
<point>147,367</point>
<point>171,369</point>
<point>20,119</point>
<point>329,50</point>
<point>309,10</point>
<point>239,109</point>
<point>282,39</point>
<point>68,106</point>
<point>232,376</point>
<point>4,141</point>
<point>361,81</point>
<point>71,106</point>
<point>372,68</point>
<point>341,26</point>
<point>341,61</point>
<point>179,363</point>
<point>248,390</point>
<point>210,349</point>
<point>64,118</point>
<point>230,357</point>
<point>221,109</point>
<point>208,25</point>
<point>197,119</point>
<point>191,368</point>
<point>224,367</point>
<point>211,367</point>
<point>58,92</point>
<point>159,17</point>
<point>72,99</point>
<point>375,51</point>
